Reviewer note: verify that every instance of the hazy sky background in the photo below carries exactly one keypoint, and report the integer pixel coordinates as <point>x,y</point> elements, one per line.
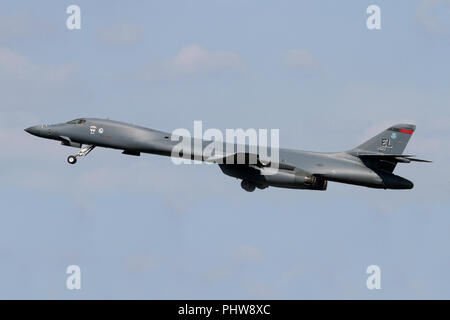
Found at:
<point>141,227</point>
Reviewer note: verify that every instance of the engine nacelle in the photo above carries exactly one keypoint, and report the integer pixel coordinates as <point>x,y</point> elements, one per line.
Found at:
<point>282,178</point>
<point>290,179</point>
<point>319,184</point>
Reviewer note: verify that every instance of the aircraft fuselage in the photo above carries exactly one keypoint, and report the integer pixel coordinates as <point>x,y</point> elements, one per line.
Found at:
<point>298,169</point>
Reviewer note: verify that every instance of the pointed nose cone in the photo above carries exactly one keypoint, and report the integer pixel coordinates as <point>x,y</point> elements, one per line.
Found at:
<point>33,130</point>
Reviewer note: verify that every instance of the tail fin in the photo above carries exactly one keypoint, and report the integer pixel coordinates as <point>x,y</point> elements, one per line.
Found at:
<point>391,141</point>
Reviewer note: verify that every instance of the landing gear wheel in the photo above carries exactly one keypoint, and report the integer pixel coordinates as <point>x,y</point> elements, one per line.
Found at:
<point>72,159</point>
<point>248,186</point>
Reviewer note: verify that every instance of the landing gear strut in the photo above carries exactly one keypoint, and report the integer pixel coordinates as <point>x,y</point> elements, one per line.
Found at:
<point>83,152</point>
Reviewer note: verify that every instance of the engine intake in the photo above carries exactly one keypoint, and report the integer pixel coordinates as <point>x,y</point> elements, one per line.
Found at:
<point>316,183</point>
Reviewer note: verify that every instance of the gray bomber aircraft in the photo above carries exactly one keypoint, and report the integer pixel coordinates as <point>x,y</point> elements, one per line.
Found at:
<point>371,164</point>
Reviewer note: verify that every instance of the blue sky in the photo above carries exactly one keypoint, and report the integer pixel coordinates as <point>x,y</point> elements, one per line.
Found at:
<point>145,228</point>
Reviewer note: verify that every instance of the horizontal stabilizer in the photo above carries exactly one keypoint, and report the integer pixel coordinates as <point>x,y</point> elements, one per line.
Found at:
<point>418,160</point>
<point>391,157</point>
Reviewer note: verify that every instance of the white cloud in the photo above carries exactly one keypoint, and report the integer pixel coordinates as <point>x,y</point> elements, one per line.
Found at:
<point>194,60</point>
<point>301,59</point>
<point>426,16</point>
<point>16,66</point>
<point>122,34</point>
<point>248,253</point>
<point>18,25</point>
<point>22,26</point>
<point>26,85</point>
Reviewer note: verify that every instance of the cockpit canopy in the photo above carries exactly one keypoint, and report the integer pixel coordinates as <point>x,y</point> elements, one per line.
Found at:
<point>77,121</point>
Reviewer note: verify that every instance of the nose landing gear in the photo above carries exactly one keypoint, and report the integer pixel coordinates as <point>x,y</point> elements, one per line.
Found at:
<point>72,159</point>
<point>83,152</point>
